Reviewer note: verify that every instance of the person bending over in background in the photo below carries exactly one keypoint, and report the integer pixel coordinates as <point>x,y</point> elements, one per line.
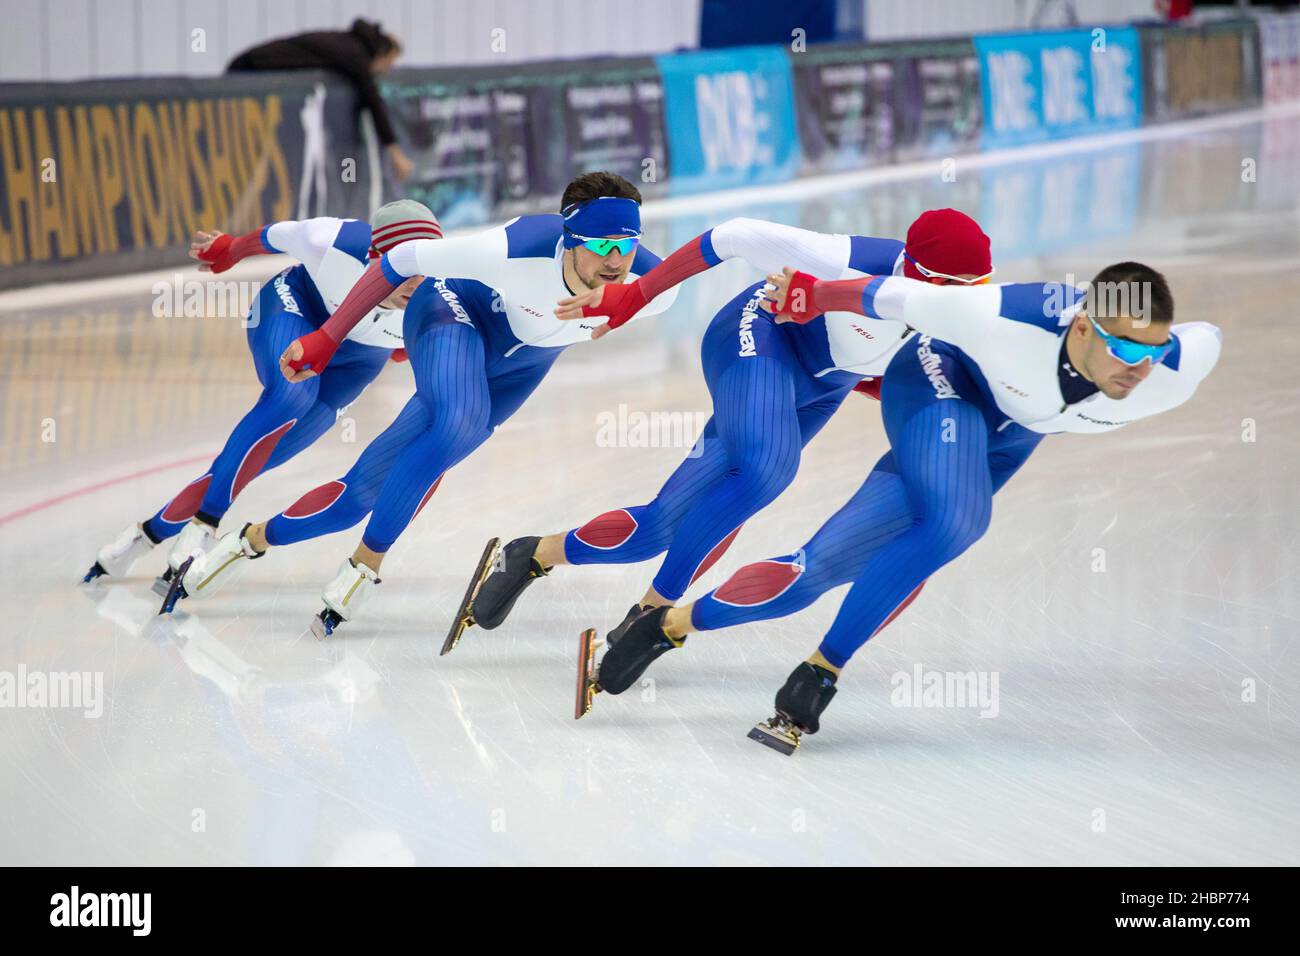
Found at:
<point>360,53</point>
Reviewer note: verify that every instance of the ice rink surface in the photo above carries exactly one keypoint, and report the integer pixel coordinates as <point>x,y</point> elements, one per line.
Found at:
<point>1135,598</point>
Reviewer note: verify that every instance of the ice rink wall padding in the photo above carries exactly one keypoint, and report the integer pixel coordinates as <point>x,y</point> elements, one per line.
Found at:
<point>107,177</point>
<point>101,178</point>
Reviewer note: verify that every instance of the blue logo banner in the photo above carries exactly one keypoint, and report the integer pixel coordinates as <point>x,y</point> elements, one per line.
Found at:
<point>730,118</point>
<point>1045,86</point>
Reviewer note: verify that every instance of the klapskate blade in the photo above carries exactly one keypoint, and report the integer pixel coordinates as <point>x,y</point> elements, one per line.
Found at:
<point>782,741</point>
<point>461,623</point>
<point>163,583</point>
<point>176,591</point>
<point>586,689</point>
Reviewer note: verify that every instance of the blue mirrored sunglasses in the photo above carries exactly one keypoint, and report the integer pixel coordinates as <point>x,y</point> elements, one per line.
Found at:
<point>602,247</point>
<point>1130,352</point>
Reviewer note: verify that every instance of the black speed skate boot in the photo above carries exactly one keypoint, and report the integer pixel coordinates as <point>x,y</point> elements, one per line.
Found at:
<point>635,611</point>
<point>499,578</point>
<point>514,569</point>
<point>640,644</point>
<point>799,705</point>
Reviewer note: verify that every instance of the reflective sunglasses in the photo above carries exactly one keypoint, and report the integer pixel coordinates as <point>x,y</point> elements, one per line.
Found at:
<point>931,274</point>
<point>1130,352</point>
<point>602,247</point>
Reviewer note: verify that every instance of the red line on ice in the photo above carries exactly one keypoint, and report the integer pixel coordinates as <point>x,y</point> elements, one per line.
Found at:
<point>99,486</point>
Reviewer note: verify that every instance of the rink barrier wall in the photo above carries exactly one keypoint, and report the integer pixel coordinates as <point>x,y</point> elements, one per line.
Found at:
<point>858,106</point>
<point>1201,69</point>
<point>491,143</point>
<point>106,177</point>
<point>1279,37</point>
<point>103,178</point>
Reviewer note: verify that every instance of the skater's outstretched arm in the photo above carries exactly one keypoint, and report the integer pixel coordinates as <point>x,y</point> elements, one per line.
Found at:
<point>307,240</point>
<point>764,245</point>
<point>970,317</point>
<point>478,257</point>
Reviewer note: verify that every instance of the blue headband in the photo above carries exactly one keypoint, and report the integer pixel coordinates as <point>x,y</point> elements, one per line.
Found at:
<point>603,216</point>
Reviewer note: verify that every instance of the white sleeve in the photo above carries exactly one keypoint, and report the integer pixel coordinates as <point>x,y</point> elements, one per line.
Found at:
<point>1201,344</point>
<point>481,256</point>
<point>770,246</point>
<point>307,240</point>
<point>965,316</point>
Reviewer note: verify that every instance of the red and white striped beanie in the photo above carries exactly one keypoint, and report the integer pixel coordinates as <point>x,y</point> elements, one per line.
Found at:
<point>401,221</point>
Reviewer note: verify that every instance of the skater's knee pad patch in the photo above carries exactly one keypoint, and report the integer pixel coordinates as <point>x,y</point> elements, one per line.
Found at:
<point>606,531</point>
<point>758,583</point>
<point>316,500</point>
<point>712,557</point>
<point>184,506</point>
<point>256,457</point>
<point>427,495</point>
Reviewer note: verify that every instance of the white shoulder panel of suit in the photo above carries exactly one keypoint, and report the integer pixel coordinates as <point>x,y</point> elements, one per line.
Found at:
<point>335,264</point>
<point>854,345</point>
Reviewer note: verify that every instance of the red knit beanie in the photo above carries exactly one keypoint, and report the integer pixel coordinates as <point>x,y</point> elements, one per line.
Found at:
<point>947,241</point>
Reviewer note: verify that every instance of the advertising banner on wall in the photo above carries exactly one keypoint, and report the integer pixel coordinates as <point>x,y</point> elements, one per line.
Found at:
<point>861,105</point>
<point>846,106</point>
<point>493,143</point>
<point>106,177</point>
<point>730,117</point>
<point>604,114</point>
<point>468,134</point>
<point>940,110</point>
<point>1046,86</point>
<point>1279,37</point>
<point>1194,70</point>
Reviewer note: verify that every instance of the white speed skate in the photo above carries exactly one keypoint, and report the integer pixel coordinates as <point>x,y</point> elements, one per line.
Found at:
<point>206,572</point>
<point>116,557</point>
<point>193,540</point>
<point>344,597</point>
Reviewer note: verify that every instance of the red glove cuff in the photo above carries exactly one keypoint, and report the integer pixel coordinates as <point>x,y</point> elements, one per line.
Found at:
<point>618,302</point>
<point>218,253</point>
<point>317,350</point>
<point>225,250</point>
<point>800,302</point>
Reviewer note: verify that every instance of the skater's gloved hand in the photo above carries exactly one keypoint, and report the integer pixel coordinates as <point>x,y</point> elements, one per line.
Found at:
<point>217,251</point>
<point>618,301</point>
<point>307,356</point>
<point>791,297</point>
<point>212,250</point>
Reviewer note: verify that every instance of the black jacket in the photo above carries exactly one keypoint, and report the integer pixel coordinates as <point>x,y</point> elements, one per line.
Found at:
<point>348,53</point>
